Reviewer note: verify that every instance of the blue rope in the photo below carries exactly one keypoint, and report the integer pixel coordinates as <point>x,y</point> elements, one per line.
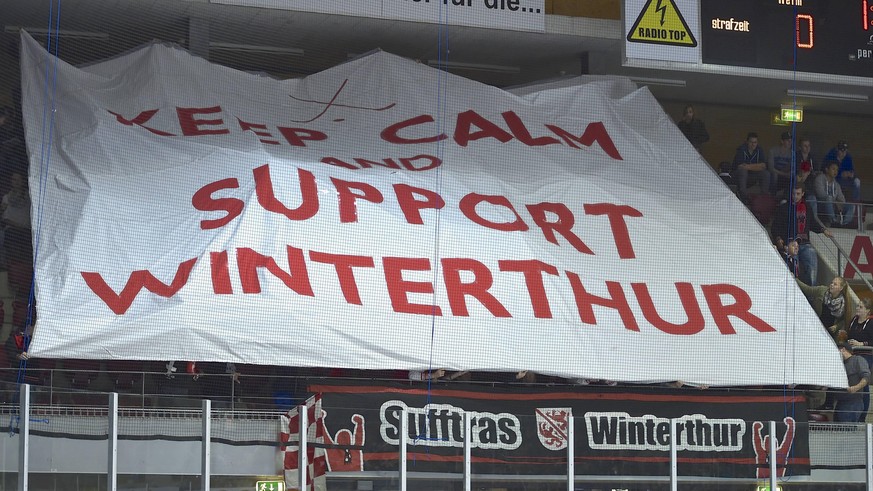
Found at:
<point>790,408</point>
<point>442,47</point>
<point>48,119</point>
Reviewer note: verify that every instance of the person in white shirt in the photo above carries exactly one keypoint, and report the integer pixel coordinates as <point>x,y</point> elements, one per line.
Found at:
<point>832,207</point>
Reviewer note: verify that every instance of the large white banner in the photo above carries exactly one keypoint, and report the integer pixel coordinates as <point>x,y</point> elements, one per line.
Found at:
<point>518,15</point>
<point>386,215</point>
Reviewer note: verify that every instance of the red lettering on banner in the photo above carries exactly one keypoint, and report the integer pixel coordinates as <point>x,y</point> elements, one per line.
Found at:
<point>468,120</point>
<point>457,290</point>
<point>368,164</point>
<point>740,308</point>
<point>398,288</point>
<point>563,225</point>
<point>468,208</point>
<point>140,120</point>
<point>260,130</point>
<point>861,245</point>
<point>416,163</point>
<point>267,197</point>
<point>249,262</point>
<point>191,125</point>
<point>693,325</point>
<point>585,302</point>
<point>616,214</point>
<point>203,201</point>
<point>220,273</point>
<point>339,163</point>
<point>408,162</point>
<point>518,129</point>
<point>594,132</point>
<point>477,284</point>
<point>119,303</point>
<point>348,208</point>
<point>391,133</point>
<point>412,207</point>
<point>299,136</point>
<point>533,276</point>
<point>469,126</point>
<point>343,265</point>
<point>553,219</point>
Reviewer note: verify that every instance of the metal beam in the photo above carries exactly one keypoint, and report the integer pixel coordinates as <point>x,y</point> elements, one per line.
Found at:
<point>112,443</point>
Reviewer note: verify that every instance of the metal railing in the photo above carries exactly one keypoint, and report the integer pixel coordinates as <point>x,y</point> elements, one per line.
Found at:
<point>857,458</point>
<point>833,247</point>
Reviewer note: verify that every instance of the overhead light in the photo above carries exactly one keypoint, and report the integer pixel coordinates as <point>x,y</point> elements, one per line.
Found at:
<point>251,48</point>
<point>667,82</point>
<point>39,31</point>
<point>479,67</point>
<point>834,96</point>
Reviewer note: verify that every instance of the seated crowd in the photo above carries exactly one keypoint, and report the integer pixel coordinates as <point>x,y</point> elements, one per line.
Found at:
<point>819,195</point>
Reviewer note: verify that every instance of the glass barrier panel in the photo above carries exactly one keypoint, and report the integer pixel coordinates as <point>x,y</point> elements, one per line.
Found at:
<point>520,447</point>
<point>360,448</point>
<point>161,440</point>
<point>9,420</point>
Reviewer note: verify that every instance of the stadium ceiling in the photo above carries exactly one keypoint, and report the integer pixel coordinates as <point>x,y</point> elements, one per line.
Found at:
<point>287,43</point>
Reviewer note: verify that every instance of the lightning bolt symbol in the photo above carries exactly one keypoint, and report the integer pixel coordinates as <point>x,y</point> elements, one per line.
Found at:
<point>662,9</point>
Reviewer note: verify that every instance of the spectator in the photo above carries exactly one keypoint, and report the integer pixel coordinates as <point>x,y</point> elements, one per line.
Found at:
<point>860,333</point>
<point>829,302</point>
<point>789,254</point>
<point>804,154</point>
<point>438,374</point>
<point>16,237</point>
<point>724,172</point>
<point>846,175</point>
<point>678,384</point>
<point>594,381</point>
<point>13,158</point>
<point>692,128</point>
<point>750,164</point>
<point>779,164</point>
<point>10,146</point>
<point>7,131</point>
<point>792,222</point>
<point>804,176</point>
<point>831,204</point>
<point>850,404</point>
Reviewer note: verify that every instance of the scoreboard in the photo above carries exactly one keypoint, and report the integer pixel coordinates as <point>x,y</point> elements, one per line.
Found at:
<point>815,36</point>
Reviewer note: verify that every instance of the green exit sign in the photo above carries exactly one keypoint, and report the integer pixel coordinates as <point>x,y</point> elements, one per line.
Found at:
<point>792,115</point>
<point>270,486</point>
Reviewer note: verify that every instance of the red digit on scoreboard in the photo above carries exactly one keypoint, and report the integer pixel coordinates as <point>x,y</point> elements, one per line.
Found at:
<point>808,31</point>
<point>864,11</point>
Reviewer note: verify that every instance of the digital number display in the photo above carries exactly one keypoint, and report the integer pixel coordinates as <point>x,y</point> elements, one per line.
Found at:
<point>817,36</point>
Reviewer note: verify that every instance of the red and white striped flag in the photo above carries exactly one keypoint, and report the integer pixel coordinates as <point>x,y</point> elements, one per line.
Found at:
<point>289,434</point>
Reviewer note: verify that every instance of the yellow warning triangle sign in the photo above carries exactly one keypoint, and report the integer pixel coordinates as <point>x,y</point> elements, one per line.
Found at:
<point>660,22</point>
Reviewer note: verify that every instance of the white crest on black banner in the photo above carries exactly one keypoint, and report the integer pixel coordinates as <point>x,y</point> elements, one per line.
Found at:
<point>552,426</point>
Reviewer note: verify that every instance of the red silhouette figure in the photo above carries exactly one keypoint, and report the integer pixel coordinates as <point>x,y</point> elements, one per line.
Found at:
<point>761,445</point>
<point>345,459</point>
